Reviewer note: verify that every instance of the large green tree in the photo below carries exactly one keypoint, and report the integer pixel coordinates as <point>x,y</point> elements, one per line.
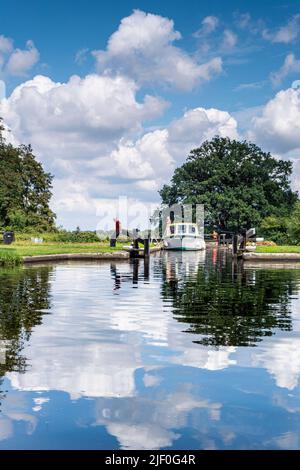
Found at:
<point>237,182</point>
<point>25,189</point>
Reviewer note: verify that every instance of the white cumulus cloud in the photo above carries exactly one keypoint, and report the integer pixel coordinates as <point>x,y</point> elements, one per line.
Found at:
<point>143,48</point>
<point>147,158</point>
<point>278,126</point>
<point>74,127</point>
<point>290,65</point>
<point>89,132</point>
<point>19,61</point>
<point>155,156</point>
<point>6,45</point>
<point>77,112</point>
<point>15,61</point>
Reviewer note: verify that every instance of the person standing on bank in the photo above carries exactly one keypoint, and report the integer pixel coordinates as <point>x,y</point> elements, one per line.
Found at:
<point>117,227</point>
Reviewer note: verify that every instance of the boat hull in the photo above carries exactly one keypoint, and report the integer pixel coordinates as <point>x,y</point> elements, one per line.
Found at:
<point>184,243</point>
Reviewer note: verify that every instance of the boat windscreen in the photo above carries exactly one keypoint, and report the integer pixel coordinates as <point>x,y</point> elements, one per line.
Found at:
<point>181,229</point>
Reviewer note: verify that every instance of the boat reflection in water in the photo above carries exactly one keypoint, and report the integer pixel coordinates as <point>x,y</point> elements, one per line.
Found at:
<point>185,350</point>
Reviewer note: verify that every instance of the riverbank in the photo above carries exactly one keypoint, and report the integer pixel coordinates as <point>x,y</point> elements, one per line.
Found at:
<point>272,257</point>
<point>273,254</point>
<point>20,253</point>
<point>278,249</point>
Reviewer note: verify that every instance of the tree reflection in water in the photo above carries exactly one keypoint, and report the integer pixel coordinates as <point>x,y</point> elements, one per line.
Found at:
<point>226,304</point>
<point>124,372</point>
<point>24,299</point>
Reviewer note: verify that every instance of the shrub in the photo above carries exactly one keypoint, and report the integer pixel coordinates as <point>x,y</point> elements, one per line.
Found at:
<point>9,258</point>
<point>293,225</point>
<point>61,236</point>
<point>266,243</point>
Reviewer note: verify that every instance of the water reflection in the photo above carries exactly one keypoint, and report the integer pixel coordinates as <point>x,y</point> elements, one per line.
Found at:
<point>127,355</point>
<point>24,298</point>
<point>133,275</point>
<point>228,305</point>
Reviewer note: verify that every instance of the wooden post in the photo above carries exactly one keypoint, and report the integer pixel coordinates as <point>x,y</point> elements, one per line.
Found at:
<point>146,247</point>
<point>194,213</point>
<point>135,251</point>
<point>146,268</point>
<point>160,225</point>
<point>234,244</point>
<point>234,266</point>
<point>244,240</point>
<point>135,274</point>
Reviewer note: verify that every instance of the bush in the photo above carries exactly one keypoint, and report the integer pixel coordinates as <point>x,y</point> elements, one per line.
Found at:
<point>76,236</point>
<point>293,225</point>
<point>274,228</point>
<point>61,236</point>
<point>283,230</point>
<point>9,258</point>
<point>266,243</point>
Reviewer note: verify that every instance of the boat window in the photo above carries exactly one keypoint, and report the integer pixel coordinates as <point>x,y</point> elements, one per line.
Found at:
<point>192,229</point>
<point>172,229</point>
<point>181,229</point>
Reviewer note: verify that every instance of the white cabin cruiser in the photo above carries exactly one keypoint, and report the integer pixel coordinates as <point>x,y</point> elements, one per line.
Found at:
<point>183,236</point>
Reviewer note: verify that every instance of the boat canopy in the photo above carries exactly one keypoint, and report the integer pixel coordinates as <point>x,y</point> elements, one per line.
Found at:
<point>182,229</point>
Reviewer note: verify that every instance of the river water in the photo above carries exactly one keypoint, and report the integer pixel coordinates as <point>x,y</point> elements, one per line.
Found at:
<point>190,351</point>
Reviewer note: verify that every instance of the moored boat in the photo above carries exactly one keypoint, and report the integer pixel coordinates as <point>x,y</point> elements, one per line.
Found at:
<point>183,236</point>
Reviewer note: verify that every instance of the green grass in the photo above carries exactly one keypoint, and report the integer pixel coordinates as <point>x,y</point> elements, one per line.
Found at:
<point>278,249</point>
<point>19,249</point>
<point>9,257</point>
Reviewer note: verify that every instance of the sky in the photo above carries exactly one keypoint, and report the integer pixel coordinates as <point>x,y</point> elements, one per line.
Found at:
<point>113,95</point>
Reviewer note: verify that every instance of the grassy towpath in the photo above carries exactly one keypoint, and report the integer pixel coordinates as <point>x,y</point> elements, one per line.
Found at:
<point>278,249</point>
<point>13,254</point>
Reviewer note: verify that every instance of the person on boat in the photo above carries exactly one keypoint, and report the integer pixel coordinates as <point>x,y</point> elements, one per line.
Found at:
<point>214,235</point>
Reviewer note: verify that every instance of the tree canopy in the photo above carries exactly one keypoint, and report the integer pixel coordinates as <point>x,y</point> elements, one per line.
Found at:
<point>237,182</point>
<point>25,189</point>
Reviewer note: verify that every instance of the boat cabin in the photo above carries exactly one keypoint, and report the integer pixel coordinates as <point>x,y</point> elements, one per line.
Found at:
<point>182,229</point>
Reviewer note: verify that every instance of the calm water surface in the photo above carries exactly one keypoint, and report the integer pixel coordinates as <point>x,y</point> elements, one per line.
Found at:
<point>188,352</point>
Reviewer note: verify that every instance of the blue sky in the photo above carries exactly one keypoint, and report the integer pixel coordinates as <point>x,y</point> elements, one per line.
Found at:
<point>176,72</point>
